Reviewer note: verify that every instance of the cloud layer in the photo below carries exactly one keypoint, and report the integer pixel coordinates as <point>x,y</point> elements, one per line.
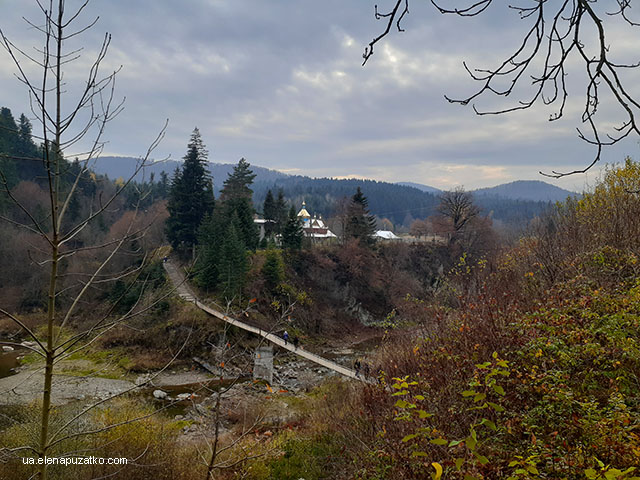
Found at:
<point>281,84</point>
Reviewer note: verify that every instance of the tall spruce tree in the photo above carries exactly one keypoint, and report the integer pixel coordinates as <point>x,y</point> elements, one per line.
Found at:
<point>360,224</point>
<point>190,197</point>
<point>232,265</point>
<point>281,212</point>
<point>273,270</point>
<point>236,197</point>
<point>238,183</point>
<point>292,233</point>
<point>270,214</point>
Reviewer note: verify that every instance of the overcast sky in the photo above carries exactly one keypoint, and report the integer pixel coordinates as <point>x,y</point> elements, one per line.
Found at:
<point>281,84</point>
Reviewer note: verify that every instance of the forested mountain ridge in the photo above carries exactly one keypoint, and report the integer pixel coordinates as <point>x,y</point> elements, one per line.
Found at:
<point>116,167</point>
<point>400,203</point>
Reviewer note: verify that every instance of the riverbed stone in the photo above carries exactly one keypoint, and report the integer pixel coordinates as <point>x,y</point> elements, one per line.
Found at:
<point>160,395</point>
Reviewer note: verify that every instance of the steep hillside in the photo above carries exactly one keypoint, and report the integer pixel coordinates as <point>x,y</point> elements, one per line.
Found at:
<point>526,367</point>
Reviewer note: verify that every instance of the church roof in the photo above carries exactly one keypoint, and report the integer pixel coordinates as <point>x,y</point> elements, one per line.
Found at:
<point>303,211</point>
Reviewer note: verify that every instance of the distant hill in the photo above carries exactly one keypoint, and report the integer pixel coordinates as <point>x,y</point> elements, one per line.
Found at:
<point>115,167</point>
<point>532,190</point>
<point>401,203</point>
<point>420,186</point>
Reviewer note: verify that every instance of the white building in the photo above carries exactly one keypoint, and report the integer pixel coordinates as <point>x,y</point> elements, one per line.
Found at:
<point>314,228</point>
<point>385,235</point>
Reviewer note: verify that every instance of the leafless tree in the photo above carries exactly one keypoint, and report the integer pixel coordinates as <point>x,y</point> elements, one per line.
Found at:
<point>69,117</point>
<point>218,455</point>
<point>420,228</point>
<point>225,456</point>
<point>457,206</point>
<point>556,33</point>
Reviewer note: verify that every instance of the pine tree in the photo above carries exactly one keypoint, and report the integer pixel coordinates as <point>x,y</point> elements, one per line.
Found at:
<point>232,265</point>
<point>26,147</point>
<point>280,212</point>
<point>292,233</point>
<point>270,214</point>
<point>237,184</point>
<point>273,270</point>
<point>8,147</point>
<point>360,224</point>
<point>210,240</point>
<point>8,132</point>
<point>190,196</point>
<point>236,197</point>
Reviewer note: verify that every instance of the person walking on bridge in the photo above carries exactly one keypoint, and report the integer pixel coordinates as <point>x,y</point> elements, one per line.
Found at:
<point>285,337</point>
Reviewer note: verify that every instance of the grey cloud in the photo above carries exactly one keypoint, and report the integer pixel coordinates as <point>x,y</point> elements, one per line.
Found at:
<point>281,84</point>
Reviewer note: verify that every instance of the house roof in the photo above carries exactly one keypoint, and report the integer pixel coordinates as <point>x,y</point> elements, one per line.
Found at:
<point>387,235</point>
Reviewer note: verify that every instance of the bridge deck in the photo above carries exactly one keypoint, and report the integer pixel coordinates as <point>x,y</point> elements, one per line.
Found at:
<point>185,292</point>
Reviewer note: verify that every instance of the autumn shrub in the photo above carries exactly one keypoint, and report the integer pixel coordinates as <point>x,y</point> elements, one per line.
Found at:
<point>562,309</point>
<point>122,428</point>
<point>311,458</point>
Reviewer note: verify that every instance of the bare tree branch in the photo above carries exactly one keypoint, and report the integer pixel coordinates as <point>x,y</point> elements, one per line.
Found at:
<point>557,32</point>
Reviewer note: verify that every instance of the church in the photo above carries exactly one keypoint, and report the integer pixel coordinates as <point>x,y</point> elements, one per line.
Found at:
<point>314,228</point>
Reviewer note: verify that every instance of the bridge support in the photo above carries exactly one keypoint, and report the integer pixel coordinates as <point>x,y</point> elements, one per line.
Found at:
<point>263,364</point>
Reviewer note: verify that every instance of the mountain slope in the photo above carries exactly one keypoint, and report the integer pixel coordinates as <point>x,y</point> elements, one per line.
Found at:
<point>124,167</point>
<point>420,186</point>
<point>533,190</point>
<point>400,203</point>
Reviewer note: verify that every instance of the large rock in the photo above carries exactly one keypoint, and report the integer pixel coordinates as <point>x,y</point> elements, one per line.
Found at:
<point>160,395</point>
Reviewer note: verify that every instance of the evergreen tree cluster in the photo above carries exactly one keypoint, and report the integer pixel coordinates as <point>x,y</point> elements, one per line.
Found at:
<point>227,235</point>
<point>275,214</point>
<point>221,232</point>
<point>20,157</point>
<point>22,160</point>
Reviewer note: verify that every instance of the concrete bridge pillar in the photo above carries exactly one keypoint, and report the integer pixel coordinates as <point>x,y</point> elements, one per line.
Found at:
<point>263,364</point>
